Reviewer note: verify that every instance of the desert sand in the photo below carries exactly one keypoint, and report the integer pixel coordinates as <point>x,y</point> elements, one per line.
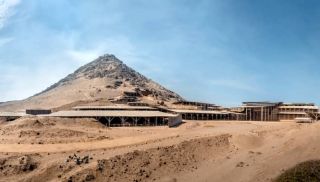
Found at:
<point>49,149</point>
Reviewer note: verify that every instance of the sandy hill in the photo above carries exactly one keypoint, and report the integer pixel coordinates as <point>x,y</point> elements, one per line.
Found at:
<point>100,81</point>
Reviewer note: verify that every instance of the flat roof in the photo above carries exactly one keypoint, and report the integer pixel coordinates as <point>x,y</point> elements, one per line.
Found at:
<point>260,104</point>
<point>196,103</point>
<point>244,106</point>
<point>110,114</point>
<point>198,111</point>
<point>292,113</point>
<point>299,107</point>
<point>299,104</point>
<point>12,114</point>
<point>305,118</point>
<point>120,107</point>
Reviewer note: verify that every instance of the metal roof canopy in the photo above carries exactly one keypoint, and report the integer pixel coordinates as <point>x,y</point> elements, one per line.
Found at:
<point>116,107</point>
<point>198,111</point>
<point>298,104</point>
<point>13,114</point>
<point>260,104</point>
<point>111,114</point>
<point>299,107</point>
<point>195,103</point>
<point>297,113</point>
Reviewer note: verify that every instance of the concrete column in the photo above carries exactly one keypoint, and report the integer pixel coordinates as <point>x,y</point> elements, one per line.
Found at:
<point>123,120</point>
<point>109,120</point>
<point>246,113</point>
<point>136,121</point>
<point>148,121</point>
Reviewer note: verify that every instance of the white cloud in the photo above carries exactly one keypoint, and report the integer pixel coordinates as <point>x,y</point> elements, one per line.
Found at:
<point>6,10</point>
<point>4,41</point>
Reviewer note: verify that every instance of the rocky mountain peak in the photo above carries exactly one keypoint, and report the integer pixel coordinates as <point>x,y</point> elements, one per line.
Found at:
<point>106,66</point>
<point>102,66</point>
<point>111,68</point>
<point>105,78</point>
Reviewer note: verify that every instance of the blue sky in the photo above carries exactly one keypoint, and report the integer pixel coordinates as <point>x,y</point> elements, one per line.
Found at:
<point>219,51</point>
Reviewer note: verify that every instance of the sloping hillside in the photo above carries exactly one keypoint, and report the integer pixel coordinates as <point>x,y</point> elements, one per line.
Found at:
<point>104,79</point>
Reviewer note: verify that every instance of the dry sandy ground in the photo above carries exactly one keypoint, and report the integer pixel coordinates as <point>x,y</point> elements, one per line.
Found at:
<point>47,149</point>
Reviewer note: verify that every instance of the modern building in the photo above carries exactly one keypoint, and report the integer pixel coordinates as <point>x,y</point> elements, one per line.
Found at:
<point>291,111</point>
<point>124,117</point>
<point>137,104</point>
<point>261,111</point>
<point>10,116</point>
<point>143,115</point>
<point>114,108</point>
<point>208,114</point>
<point>38,111</point>
<point>196,105</point>
<point>278,111</point>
